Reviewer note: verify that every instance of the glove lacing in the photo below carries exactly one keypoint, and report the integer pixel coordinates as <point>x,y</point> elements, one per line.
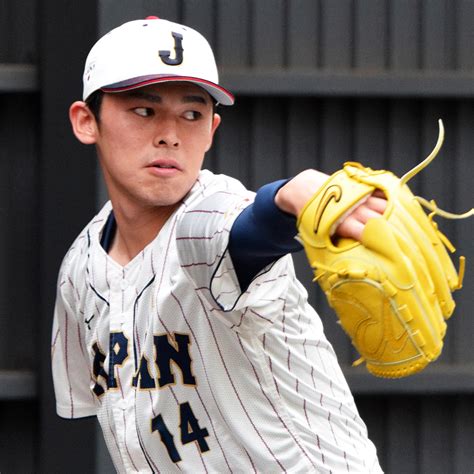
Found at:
<point>435,210</point>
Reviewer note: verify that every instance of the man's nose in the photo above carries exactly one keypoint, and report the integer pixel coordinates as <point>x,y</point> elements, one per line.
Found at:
<point>166,133</point>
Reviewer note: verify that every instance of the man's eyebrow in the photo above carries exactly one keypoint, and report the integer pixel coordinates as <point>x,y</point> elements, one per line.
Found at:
<point>195,98</point>
<point>146,95</point>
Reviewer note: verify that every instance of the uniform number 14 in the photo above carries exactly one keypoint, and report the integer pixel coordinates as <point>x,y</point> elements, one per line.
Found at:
<point>190,431</point>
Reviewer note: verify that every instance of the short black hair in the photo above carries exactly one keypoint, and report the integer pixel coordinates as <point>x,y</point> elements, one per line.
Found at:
<point>94,102</point>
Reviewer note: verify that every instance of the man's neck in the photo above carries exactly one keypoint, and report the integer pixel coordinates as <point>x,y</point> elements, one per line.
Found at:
<point>135,230</point>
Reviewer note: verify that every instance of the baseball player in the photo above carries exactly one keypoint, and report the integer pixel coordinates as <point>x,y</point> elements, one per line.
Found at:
<point>179,321</point>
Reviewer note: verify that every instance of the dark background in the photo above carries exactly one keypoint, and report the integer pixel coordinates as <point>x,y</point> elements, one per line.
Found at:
<point>318,82</point>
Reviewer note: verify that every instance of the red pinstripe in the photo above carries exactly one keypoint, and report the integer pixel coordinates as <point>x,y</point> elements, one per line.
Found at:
<point>272,406</point>
<point>237,393</point>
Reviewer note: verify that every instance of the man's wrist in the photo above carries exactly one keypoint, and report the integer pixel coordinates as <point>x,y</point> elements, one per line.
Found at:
<point>293,196</point>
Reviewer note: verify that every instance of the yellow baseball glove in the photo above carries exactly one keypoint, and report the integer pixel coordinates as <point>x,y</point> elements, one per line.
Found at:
<point>393,290</point>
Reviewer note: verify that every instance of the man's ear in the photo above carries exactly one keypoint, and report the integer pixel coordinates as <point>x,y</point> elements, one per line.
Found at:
<point>84,124</point>
<point>216,121</point>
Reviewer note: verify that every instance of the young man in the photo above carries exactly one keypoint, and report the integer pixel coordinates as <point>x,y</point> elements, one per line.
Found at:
<point>179,322</point>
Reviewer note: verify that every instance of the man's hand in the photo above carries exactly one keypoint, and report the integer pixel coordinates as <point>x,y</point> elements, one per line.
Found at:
<point>294,195</point>
<point>353,225</point>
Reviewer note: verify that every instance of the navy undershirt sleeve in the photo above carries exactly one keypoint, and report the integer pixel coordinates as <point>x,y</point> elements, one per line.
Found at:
<point>261,234</point>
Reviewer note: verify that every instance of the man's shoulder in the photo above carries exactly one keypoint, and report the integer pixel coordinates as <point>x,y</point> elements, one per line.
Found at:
<point>209,184</point>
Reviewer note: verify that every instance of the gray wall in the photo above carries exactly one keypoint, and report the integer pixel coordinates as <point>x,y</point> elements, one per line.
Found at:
<point>318,82</point>
<point>18,256</point>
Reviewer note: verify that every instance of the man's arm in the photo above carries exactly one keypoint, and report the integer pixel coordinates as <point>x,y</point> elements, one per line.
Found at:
<point>265,230</point>
<point>261,234</point>
<point>71,373</point>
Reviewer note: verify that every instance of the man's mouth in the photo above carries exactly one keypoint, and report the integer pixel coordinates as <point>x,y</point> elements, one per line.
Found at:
<point>164,168</point>
<point>165,164</point>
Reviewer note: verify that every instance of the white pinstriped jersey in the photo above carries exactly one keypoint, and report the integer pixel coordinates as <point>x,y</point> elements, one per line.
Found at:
<point>183,371</point>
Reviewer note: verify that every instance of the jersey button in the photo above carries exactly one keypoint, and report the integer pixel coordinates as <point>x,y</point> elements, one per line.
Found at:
<point>124,284</point>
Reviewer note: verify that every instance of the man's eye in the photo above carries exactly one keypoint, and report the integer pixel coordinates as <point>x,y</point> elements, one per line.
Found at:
<point>143,111</point>
<point>192,115</point>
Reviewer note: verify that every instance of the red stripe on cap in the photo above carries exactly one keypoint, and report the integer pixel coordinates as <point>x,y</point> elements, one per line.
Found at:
<point>169,79</point>
<point>151,17</point>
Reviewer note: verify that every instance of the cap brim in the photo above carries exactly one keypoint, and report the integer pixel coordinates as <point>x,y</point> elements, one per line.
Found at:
<point>219,93</point>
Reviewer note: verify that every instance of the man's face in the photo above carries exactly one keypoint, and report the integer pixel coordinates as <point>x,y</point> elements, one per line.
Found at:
<point>151,143</point>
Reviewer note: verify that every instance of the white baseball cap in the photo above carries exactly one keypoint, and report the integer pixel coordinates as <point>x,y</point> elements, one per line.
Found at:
<point>143,52</point>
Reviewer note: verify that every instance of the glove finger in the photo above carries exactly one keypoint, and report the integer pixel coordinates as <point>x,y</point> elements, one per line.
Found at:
<point>427,296</point>
<point>430,247</point>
